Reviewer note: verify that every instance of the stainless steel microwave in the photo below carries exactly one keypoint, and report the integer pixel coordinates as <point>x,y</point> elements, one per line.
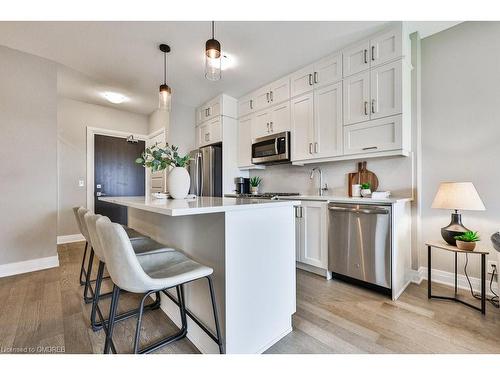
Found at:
<point>271,149</point>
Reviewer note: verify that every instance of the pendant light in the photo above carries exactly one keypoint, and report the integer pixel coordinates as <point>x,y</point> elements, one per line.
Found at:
<point>165,91</point>
<point>213,57</point>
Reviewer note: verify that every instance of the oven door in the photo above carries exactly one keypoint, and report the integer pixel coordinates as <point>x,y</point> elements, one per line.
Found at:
<point>271,149</point>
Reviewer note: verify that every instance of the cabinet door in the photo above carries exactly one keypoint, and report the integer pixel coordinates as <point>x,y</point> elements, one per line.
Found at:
<point>328,70</point>
<point>260,125</point>
<point>200,116</point>
<point>245,141</point>
<point>262,98</point>
<point>386,90</point>
<point>314,250</point>
<point>214,108</point>
<point>373,136</point>
<point>214,130</point>
<point>302,115</point>
<point>279,118</point>
<point>328,121</point>
<point>386,47</point>
<point>245,106</point>
<point>355,58</point>
<point>356,98</point>
<point>302,81</point>
<point>279,90</point>
<point>201,133</point>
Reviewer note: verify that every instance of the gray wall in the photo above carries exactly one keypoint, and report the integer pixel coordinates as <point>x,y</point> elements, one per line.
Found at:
<point>182,127</point>
<point>28,173</point>
<point>73,117</point>
<point>461,127</point>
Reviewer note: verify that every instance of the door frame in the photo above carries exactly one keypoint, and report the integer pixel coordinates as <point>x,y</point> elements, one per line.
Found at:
<point>147,175</point>
<point>91,131</point>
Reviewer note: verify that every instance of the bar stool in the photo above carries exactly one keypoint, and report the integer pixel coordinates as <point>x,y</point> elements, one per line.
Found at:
<point>133,234</point>
<point>154,273</point>
<point>144,246</point>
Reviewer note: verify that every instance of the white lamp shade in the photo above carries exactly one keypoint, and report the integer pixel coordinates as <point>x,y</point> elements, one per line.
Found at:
<point>458,196</point>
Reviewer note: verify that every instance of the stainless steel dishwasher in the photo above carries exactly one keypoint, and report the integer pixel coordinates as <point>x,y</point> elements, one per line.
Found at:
<point>359,244</point>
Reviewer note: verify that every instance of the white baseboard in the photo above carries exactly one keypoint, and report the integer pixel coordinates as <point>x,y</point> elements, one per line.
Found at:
<point>31,265</point>
<point>70,238</point>
<point>448,278</point>
<point>313,269</point>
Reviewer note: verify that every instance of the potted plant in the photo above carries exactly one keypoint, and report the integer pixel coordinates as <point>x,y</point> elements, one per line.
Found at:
<point>254,184</point>
<point>467,241</point>
<point>159,158</point>
<point>366,190</point>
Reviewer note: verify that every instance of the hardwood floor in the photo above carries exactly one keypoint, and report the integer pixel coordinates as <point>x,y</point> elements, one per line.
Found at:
<point>43,312</point>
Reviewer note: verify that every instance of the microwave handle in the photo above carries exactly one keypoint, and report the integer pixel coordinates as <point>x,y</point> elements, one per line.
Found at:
<point>276,146</point>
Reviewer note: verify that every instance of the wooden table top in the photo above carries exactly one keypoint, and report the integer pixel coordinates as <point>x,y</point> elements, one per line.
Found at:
<point>445,246</point>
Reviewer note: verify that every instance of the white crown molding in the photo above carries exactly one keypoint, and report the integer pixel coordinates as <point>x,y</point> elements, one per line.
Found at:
<point>31,265</point>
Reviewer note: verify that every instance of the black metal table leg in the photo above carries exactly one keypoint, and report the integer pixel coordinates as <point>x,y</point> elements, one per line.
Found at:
<point>456,290</point>
<point>483,284</point>
<point>429,282</point>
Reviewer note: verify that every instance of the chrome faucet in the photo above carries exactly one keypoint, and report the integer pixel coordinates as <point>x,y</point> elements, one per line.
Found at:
<point>321,189</point>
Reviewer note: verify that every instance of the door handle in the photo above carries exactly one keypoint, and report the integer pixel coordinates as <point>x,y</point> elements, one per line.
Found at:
<point>366,53</point>
<point>310,79</point>
<point>267,96</point>
<point>316,77</point>
<point>366,108</point>
<point>373,105</point>
<point>315,147</point>
<point>271,96</point>
<point>310,148</point>
<point>373,53</point>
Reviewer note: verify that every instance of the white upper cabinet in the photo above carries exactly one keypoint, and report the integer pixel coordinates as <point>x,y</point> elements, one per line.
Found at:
<point>328,70</point>
<point>260,125</point>
<point>245,106</point>
<point>302,108</point>
<point>279,118</point>
<point>328,121</point>
<point>324,72</point>
<point>356,58</point>
<point>357,98</point>
<point>384,134</point>
<point>302,81</point>
<point>279,90</point>
<point>221,105</point>
<point>245,141</point>
<point>209,132</point>
<point>386,90</point>
<point>261,98</point>
<point>385,47</point>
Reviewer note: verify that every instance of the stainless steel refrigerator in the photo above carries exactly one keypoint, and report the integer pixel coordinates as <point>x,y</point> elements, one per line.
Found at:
<point>205,170</point>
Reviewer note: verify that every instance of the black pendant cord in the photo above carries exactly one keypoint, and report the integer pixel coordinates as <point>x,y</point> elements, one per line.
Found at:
<point>493,300</point>
<point>164,68</point>
<point>213,29</point>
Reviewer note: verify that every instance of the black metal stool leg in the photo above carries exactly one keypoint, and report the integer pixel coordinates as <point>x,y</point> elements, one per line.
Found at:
<point>86,298</point>
<point>82,268</point>
<point>139,322</point>
<point>95,301</point>
<point>216,317</point>
<point>112,313</point>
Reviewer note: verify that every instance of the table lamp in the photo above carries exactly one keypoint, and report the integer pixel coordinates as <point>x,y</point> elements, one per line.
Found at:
<point>456,196</point>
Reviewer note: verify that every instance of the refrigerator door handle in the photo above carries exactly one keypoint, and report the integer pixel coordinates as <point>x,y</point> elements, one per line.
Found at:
<point>200,174</point>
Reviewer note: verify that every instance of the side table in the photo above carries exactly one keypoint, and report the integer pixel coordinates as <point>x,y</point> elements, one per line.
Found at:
<point>444,246</point>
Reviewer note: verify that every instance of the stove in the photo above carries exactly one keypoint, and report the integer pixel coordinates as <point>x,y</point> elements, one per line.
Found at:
<point>267,195</point>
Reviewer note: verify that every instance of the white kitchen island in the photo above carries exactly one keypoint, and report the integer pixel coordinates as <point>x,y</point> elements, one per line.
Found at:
<point>250,244</point>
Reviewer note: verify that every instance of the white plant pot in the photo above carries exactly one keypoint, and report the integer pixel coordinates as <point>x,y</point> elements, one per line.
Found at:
<point>254,189</point>
<point>178,183</point>
<point>365,193</point>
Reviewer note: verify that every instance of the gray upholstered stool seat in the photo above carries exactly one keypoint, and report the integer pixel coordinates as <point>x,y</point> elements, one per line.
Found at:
<point>148,274</point>
<point>147,246</point>
<point>133,234</point>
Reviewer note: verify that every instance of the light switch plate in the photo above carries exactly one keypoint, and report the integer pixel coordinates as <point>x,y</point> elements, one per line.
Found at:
<point>81,182</point>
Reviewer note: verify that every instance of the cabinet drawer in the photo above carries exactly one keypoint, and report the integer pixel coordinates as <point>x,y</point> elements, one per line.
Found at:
<point>373,136</point>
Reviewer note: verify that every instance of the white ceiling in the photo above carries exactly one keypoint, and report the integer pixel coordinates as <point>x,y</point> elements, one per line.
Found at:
<point>123,56</point>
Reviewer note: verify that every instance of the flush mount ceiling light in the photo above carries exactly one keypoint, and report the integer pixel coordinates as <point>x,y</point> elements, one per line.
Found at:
<point>165,94</point>
<point>213,57</point>
<point>114,97</point>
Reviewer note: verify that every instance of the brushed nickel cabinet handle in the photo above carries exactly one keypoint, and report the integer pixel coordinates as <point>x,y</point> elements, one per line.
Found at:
<point>315,147</point>
<point>369,148</point>
<point>310,79</point>
<point>251,103</point>
<point>373,105</point>
<point>310,148</point>
<point>366,53</point>
<point>373,53</point>
<point>268,127</point>
<point>271,126</point>
<point>366,108</point>
<point>267,96</point>
<point>271,95</point>
<point>316,77</point>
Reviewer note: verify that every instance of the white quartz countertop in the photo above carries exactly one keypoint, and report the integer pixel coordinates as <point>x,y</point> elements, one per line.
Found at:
<point>196,206</point>
<point>339,199</point>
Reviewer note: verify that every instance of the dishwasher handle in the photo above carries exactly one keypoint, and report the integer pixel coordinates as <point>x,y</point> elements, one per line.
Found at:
<point>376,211</point>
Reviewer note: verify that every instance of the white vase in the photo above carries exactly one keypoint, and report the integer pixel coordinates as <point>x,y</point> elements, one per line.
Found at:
<point>254,189</point>
<point>178,183</point>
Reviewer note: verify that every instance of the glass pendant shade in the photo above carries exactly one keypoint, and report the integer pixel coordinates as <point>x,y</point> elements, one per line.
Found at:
<point>213,58</point>
<point>165,97</point>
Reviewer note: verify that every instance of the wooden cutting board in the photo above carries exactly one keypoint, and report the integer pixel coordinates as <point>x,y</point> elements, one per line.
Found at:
<point>362,176</point>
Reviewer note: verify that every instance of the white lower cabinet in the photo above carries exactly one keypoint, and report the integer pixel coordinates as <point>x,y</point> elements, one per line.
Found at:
<point>384,134</point>
<point>312,234</point>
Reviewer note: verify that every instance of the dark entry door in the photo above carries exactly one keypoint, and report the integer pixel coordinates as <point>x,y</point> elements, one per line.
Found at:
<point>116,174</point>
